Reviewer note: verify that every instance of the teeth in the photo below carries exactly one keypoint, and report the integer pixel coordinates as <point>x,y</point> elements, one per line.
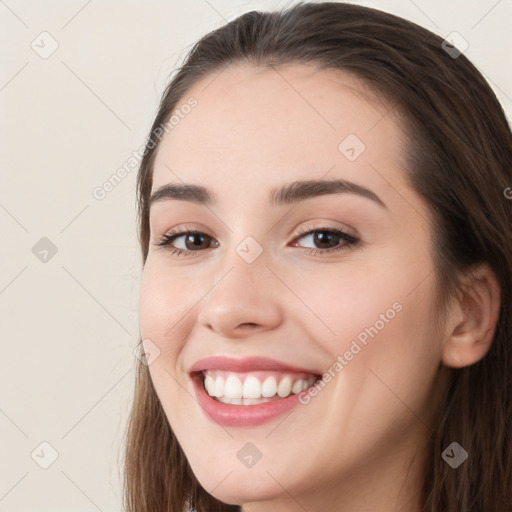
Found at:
<point>219,386</point>
<point>233,387</point>
<point>209,385</point>
<point>297,386</point>
<point>285,387</point>
<point>244,401</point>
<point>269,387</point>
<point>252,390</point>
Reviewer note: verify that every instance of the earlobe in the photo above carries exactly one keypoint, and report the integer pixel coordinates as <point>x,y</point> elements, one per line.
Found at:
<point>476,316</point>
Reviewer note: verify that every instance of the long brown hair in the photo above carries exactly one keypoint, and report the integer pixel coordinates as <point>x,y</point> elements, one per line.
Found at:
<point>459,153</point>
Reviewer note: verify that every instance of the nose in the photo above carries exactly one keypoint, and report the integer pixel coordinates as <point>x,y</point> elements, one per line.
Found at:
<point>243,300</point>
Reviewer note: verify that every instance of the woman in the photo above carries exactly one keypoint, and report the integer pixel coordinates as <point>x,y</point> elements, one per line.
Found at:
<point>325,303</point>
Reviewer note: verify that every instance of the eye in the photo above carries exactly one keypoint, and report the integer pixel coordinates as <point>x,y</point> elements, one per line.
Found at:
<point>192,241</point>
<point>326,239</point>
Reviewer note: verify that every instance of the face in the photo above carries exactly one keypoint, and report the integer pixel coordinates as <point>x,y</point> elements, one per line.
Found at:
<point>273,290</point>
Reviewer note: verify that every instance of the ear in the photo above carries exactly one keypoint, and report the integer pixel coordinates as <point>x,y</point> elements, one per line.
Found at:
<point>473,320</point>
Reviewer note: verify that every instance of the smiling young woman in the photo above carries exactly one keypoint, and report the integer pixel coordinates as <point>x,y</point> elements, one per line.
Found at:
<point>326,290</point>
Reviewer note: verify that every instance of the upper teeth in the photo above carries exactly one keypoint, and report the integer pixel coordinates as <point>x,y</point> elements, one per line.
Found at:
<point>255,384</point>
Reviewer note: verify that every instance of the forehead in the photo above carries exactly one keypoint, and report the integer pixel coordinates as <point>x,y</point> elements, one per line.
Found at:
<point>255,127</point>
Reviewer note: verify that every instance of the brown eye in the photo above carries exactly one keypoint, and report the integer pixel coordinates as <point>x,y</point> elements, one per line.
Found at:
<point>196,241</point>
<point>326,240</point>
<point>190,241</point>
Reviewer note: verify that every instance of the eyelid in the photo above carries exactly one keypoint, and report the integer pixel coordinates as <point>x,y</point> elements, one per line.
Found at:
<point>299,231</point>
<point>349,241</point>
<point>325,224</point>
<point>186,228</point>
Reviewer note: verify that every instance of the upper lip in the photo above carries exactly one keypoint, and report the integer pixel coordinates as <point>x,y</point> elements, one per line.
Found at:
<point>246,365</point>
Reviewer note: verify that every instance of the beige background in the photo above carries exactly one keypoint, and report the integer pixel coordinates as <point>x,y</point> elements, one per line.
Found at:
<point>68,122</point>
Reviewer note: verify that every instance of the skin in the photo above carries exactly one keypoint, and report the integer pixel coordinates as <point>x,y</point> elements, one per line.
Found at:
<point>359,444</point>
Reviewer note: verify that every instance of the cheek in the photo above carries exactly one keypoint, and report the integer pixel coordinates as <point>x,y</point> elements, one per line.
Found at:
<point>164,298</point>
<point>344,301</point>
<point>377,312</point>
<point>165,304</point>
<point>164,319</point>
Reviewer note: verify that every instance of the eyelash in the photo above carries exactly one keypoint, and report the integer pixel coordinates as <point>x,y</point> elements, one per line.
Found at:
<point>350,241</point>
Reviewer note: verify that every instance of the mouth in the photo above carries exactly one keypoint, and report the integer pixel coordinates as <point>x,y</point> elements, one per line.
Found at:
<point>253,388</point>
<point>248,392</point>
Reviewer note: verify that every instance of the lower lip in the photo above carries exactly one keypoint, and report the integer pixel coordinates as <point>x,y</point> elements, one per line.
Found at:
<point>229,415</point>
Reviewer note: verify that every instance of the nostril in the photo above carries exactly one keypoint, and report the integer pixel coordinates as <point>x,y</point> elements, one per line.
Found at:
<point>248,325</point>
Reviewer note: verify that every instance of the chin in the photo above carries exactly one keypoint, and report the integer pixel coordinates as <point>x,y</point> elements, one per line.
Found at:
<point>242,487</point>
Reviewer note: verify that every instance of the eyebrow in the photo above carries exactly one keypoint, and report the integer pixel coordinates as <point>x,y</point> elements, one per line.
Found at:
<point>287,194</point>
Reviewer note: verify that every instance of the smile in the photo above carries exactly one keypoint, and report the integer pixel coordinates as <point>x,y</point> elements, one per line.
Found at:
<point>254,387</point>
<point>248,392</point>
